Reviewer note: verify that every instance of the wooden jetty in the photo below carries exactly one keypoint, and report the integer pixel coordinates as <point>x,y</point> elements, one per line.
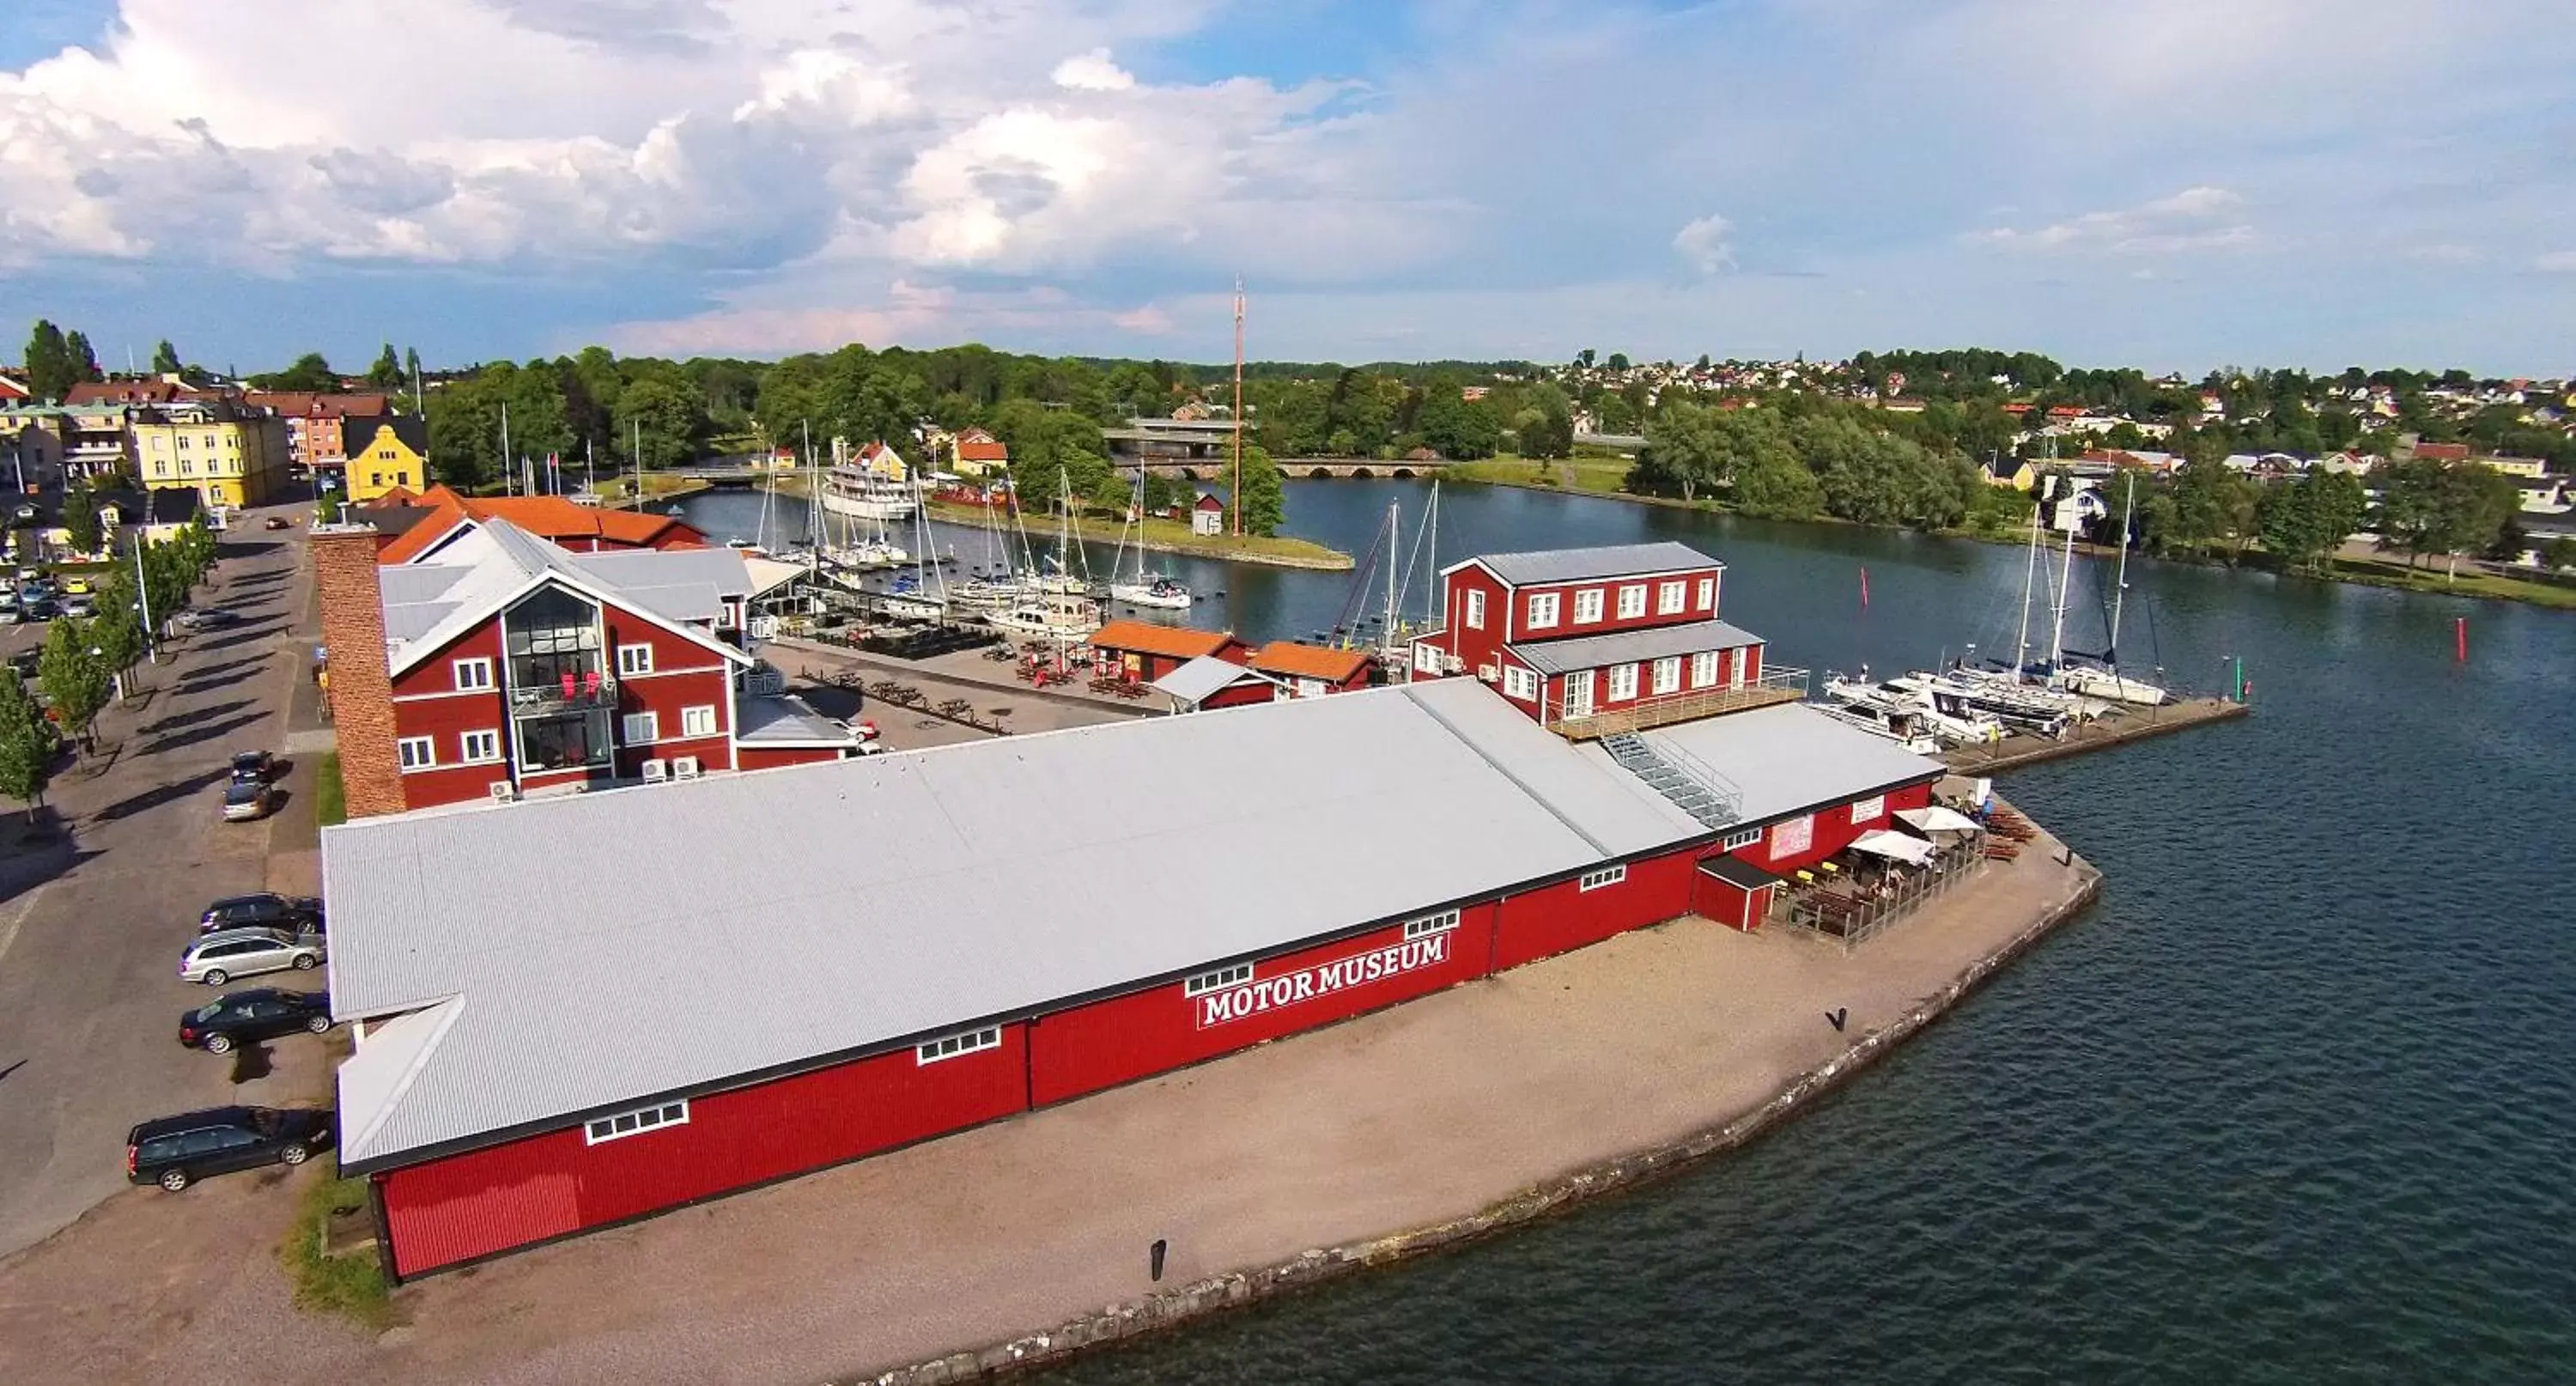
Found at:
<point>2132,724</point>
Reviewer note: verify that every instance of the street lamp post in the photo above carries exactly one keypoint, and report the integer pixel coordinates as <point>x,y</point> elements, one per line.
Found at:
<point>143,600</point>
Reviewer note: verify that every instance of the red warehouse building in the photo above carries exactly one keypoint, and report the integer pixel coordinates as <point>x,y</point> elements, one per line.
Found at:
<point>1145,651</point>
<point>503,665</point>
<point>1572,635</point>
<point>886,981</point>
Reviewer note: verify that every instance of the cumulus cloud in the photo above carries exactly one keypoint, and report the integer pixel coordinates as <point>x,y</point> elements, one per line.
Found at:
<point>1704,244</point>
<point>1092,72</point>
<point>2197,218</point>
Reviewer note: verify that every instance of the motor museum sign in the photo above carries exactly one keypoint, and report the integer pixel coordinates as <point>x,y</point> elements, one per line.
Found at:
<point>1263,994</point>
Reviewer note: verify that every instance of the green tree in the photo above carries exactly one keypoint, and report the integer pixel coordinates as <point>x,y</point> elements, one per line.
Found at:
<point>74,677</point>
<point>165,359</point>
<point>1454,426</point>
<point>1265,498</point>
<point>50,372</point>
<point>84,359</point>
<point>2211,504</point>
<point>2558,555</point>
<point>310,374</point>
<point>118,632</point>
<point>1618,361</point>
<point>26,746</point>
<point>2302,522</point>
<point>668,418</point>
<point>80,519</point>
<point>387,373</point>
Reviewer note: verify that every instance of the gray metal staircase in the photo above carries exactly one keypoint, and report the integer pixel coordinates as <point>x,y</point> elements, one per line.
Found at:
<point>1701,792</point>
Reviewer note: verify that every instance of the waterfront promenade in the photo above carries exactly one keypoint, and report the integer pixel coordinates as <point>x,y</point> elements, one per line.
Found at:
<point>1405,1128</point>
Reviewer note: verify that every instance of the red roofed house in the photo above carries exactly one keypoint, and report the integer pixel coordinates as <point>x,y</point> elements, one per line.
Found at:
<point>1311,671</point>
<point>2442,452</point>
<point>12,391</point>
<point>977,452</point>
<point>412,537</point>
<point>1145,651</point>
<point>2066,411</point>
<point>504,665</point>
<point>313,422</point>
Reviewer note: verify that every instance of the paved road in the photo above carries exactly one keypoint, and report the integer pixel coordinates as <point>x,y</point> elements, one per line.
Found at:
<point>91,929</point>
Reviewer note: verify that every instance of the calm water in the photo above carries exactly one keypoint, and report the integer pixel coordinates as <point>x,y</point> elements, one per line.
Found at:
<point>2297,1102</point>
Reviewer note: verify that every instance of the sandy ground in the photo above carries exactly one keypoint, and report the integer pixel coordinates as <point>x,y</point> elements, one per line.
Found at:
<point>1408,1117</point>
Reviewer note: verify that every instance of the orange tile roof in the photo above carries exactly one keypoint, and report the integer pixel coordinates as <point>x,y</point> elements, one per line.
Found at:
<point>1144,637</point>
<point>547,517</point>
<point>1308,661</point>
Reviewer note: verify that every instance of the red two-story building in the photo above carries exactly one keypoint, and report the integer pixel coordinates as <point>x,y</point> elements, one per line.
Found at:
<point>1570,635</point>
<point>509,666</point>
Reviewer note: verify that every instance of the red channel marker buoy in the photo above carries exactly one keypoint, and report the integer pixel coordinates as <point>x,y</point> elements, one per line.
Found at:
<point>2460,639</point>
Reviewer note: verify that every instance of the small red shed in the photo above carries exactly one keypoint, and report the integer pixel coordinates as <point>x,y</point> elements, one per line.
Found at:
<point>1146,651</point>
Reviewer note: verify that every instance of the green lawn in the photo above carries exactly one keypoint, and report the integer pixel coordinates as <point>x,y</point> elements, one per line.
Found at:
<point>1599,475</point>
<point>330,797</point>
<point>2470,583</point>
<point>353,1285</point>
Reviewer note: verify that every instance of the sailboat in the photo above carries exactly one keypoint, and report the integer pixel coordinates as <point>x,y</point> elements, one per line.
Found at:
<point>2103,679</point>
<point>1058,576</point>
<point>1156,590</point>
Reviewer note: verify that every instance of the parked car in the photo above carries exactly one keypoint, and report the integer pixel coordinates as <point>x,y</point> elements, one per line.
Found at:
<point>38,608</point>
<point>207,619</point>
<point>257,1014</point>
<point>248,801</point>
<point>176,1151</point>
<point>225,954</point>
<point>25,662</point>
<point>80,606</point>
<point>258,766</point>
<point>77,586</point>
<point>264,910</point>
<point>10,615</point>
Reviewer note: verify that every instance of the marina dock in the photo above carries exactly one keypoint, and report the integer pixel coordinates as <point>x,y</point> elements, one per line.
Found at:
<point>2136,724</point>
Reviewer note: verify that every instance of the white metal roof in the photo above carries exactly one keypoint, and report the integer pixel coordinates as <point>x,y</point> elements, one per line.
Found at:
<point>428,604</point>
<point>1583,565</point>
<point>1202,678</point>
<point>1630,646</point>
<point>736,923</point>
<point>785,719</point>
<point>1791,757</point>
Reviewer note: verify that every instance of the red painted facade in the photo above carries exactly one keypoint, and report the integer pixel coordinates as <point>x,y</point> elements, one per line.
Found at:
<point>503,1196</point>
<point>1562,917</point>
<point>1827,831</point>
<point>772,757</point>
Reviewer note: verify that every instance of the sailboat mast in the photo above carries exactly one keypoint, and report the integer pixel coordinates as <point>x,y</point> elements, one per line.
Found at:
<point>1237,494</point>
<point>2120,582</point>
<point>1394,541</point>
<point>813,506</point>
<point>2057,629</point>
<point>508,466</point>
<point>1431,587</point>
<point>2029,581</point>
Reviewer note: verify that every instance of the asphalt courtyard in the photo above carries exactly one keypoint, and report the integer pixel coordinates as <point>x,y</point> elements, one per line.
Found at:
<point>94,915</point>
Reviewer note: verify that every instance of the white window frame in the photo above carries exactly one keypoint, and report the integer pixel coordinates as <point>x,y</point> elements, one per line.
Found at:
<point>1863,810</point>
<point>634,660</point>
<point>1667,675</point>
<point>465,747</point>
<point>1430,924</point>
<point>416,753</point>
<point>1632,601</point>
<point>651,722</point>
<point>1520,683</point>
<point>1544,608</point>
<point>1601,879</point>
<point>472,675</point>
<point>956,1046</point>
<point>1475,609</point>
<point>699,721</point>
<point>1669,597</point>
<point>1218,980</point>
<point>1587,606</point>
<point>1703,670</point>
<point>658,1117</point>
<point>1623,682</point>
<point>1707,594</point>
<point>1747,838</point>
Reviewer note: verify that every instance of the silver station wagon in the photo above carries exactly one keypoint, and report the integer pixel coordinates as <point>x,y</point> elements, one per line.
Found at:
<point>221,956</point>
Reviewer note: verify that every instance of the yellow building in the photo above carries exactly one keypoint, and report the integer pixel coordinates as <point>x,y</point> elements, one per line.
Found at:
<point>229,459</point>
<point>385,453</point>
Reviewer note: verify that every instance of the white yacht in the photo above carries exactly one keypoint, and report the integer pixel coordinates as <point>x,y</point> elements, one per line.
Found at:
<point>864,495</point>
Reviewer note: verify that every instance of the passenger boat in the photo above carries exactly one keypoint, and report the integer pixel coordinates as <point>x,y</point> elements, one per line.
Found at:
<point>863,495</point>
<point>1051,616</point>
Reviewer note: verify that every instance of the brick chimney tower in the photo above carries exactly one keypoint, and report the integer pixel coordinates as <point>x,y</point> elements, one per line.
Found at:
<point>353,642</point>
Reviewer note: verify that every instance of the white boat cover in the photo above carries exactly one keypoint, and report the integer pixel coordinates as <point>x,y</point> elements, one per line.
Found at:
<point>1913,851</point>
<point>1937,819</point>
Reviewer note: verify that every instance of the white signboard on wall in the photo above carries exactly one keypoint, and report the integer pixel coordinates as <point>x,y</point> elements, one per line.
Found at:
<point>1869,810</point>
<point>1792,836</point>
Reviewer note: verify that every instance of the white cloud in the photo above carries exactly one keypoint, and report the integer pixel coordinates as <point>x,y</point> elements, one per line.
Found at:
<point>1704,243</point>
<point>2557,262</point>
<point>1091,72</point>
<point>2189,220</point>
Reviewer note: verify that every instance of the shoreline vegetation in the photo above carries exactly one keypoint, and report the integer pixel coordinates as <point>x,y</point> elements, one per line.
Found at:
<point>1606,479</point>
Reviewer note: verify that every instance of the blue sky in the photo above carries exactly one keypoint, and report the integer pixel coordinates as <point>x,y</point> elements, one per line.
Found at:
<point>2167,183</point>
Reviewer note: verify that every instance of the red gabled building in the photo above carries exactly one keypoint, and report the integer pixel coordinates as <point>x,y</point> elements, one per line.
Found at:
<point>1311,671</point>
<point>415,528</point>
<point>503,665</point>
<point>1145,651</point>
<point>1569,635</point>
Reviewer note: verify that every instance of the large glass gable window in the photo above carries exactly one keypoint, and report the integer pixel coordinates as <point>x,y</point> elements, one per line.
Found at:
<point>563,743</point>
<point>553,633</point>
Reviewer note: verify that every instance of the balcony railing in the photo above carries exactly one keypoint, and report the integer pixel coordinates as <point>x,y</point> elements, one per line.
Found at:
<point>1766,689</point>
<point>566,693</point>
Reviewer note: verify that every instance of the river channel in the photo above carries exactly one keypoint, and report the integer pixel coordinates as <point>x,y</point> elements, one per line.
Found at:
<point>2296,1102</point>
